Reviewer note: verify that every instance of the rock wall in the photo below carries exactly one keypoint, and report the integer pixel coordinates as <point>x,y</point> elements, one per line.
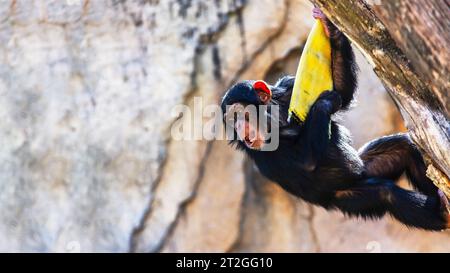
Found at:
<point>87,90</point>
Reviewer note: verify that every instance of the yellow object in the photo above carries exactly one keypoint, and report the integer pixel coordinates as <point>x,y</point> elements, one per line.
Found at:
<point>314,74</point>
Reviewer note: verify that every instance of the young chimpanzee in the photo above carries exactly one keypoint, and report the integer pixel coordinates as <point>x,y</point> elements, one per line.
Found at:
<point>316,162</point>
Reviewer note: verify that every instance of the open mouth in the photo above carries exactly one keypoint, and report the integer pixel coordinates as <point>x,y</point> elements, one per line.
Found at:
<point>248,132</point>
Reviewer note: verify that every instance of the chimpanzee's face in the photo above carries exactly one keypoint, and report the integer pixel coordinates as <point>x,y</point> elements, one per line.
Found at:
<point>240,108</point>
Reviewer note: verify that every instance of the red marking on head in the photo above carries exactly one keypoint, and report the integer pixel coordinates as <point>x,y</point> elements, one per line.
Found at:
<point>262,86</point>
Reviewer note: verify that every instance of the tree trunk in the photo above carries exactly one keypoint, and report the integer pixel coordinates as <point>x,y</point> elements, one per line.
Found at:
<point>406,42</point>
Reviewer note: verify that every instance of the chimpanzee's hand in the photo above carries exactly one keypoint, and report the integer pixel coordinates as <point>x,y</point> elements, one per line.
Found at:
<point>332,99</point>
<point>330,29</point>
<point>318,14</point>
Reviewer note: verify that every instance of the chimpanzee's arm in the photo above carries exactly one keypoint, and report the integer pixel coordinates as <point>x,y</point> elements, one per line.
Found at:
<point>315,133</point>
<point>342,60</point>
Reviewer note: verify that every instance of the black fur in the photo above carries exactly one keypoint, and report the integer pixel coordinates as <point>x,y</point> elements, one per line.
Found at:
<point>316,162</point>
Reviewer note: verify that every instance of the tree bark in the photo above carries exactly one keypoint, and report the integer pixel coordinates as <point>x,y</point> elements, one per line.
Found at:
<point>405,41</point>
<point>421,30</point>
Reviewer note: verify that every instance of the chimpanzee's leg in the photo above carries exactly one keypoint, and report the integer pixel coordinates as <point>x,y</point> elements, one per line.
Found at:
<point>374,197</point>
<point>390,156</point>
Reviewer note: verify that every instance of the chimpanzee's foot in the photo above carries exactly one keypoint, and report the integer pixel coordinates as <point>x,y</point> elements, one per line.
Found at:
<point>444,200</point>
<point>445,206</point>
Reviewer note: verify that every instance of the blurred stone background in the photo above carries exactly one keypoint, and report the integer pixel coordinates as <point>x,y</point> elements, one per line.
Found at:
<point>87,164</point>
